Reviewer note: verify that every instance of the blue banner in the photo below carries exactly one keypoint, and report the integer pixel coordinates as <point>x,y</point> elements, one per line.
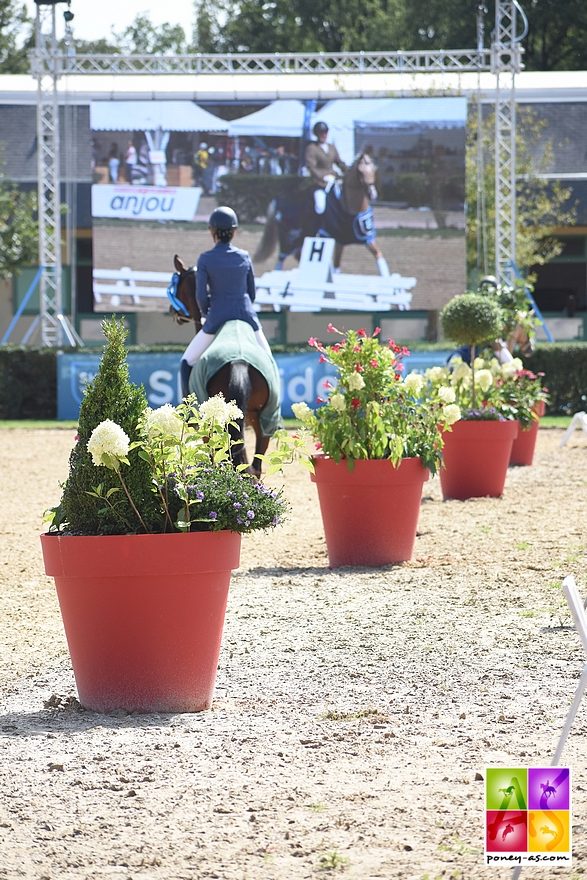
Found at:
<point>303,377</point>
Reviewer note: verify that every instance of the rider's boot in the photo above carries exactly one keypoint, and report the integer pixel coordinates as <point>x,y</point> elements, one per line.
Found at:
<point>383,267</point>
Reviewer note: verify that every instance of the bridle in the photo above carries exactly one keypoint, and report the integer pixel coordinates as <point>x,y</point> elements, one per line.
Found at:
<point>177,308</point>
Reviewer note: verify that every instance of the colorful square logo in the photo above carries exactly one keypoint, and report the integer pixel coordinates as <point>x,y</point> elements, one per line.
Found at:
<point>528,816</point>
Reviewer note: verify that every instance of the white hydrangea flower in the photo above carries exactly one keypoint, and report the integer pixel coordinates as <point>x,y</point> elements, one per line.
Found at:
<point>435,374</point>
<point>355,382</point>
<point>508,369</point>
<point>109,439</point>
<point>233,411</point>
<point>484,379</point>
<point>337,402</point>
<point>479,363</point>
<point>301,411</point>
<point>451,414</point>
<point>461,372</point>
<point>218,411</point>
<point>446,394</point>
<point>414,383</point>
<point>163,422</point>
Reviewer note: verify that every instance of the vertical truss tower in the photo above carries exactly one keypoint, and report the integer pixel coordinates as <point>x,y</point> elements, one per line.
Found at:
<point>49,63</point>
<point>505,61</point>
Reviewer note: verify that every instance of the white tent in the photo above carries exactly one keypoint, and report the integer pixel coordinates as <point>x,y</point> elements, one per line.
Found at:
<point>279,119</point>
<point>152,115</point>
<point>344,115</point>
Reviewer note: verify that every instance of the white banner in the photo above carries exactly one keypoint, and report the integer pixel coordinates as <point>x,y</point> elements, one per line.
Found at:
<point>145,202</point>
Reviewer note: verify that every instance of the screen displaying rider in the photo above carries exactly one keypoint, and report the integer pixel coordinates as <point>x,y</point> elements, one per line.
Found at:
<point>321,159</point>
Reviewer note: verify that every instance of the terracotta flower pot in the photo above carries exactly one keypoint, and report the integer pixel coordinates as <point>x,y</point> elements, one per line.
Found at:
<point>525,443</point>
<point>476,455</point>
<point>143,615</point>
<point>370,513</point>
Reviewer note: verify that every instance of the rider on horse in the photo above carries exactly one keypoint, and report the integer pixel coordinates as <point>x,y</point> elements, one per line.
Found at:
<point>320,159</point>
<point>225,290</point>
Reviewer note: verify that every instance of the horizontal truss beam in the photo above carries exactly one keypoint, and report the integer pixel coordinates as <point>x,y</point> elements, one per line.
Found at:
<point>453,61</point>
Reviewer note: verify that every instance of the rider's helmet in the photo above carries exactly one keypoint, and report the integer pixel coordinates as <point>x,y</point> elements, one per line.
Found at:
<point>223,218</point>
<point>320,128</point>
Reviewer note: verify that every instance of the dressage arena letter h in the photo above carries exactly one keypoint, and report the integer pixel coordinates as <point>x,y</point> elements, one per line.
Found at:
<point>317,249</point>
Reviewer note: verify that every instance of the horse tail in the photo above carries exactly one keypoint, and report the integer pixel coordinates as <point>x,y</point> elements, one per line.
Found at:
<point>269,238</point>
<point>239,390</point>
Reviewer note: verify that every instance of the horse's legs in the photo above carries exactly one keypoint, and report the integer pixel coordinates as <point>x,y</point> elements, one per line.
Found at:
<point>261,444</point>
<point>373,248</point>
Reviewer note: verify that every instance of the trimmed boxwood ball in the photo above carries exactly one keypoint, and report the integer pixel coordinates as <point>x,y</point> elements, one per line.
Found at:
<point>471,318</point>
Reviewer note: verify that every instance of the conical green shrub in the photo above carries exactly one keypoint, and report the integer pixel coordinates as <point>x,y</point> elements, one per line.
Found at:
<point>111,395</point>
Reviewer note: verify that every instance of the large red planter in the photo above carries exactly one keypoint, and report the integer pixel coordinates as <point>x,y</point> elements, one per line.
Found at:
<point>476,456</point>
<point>370,512</point>
<point>525,443</point>
<point>143,615</point>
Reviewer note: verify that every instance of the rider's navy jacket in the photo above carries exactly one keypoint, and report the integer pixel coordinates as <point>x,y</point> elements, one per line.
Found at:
<point>225,287</point>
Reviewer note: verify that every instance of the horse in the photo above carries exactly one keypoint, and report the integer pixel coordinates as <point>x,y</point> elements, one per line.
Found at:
<point>348,217</point>
<point>237,380</point>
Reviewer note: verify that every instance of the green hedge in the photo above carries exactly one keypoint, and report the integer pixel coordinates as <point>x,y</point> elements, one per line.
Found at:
<point>565,374</point>
<point>250,194</point>
<point>28,383</point>
<point>28,377</point>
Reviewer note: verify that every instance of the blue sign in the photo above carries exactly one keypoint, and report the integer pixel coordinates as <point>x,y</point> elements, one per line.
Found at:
<point>303,377</point>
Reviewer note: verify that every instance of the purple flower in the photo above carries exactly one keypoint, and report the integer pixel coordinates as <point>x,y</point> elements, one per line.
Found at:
<point>250,514</point>
<point>199,496</point>
<point>237,505</point>
<point>212,515</point>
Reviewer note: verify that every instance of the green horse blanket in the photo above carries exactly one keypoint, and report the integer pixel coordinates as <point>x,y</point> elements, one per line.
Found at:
<point>235,341</point>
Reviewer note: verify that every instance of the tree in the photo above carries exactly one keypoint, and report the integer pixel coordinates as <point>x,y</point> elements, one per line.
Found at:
<point>541,205</point>
<point>143,38</point>
<point>556,34</point>
<point>16,37</point>
<point>304,26</point>
<point>19,228</point>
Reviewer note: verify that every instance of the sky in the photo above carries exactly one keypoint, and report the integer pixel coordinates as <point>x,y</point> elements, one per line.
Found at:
<point>96,18</point>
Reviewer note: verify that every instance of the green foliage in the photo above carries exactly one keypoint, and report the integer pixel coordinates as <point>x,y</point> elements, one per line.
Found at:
<point>19,228</point>
<point>542,205</point>
<point>471,318</point>
<point>565,375</point>
<point>16,37</point>
<point>111,395</point>
<point>250,195</point>
<point>28,383</point>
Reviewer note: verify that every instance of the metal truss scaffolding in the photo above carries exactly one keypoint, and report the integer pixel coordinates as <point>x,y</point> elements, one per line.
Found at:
<point>49,64</point>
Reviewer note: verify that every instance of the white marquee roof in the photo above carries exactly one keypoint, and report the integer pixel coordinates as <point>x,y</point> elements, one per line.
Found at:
<point>151,115</point>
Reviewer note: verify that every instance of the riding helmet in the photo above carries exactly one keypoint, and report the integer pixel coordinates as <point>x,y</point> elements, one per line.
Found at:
<point>223,218</point>
<point>319,128</point>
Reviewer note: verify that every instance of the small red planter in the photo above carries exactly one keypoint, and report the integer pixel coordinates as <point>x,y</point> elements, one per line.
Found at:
<point>525,443</point>
<point>476,457</point>
<point>370,513</point>
<point>143,615</point>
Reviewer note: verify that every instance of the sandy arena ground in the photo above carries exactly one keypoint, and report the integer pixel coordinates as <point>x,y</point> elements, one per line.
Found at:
<point>355,712</point>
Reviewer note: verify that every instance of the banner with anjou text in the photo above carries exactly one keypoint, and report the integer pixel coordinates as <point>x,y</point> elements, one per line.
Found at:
<point>302,378</point>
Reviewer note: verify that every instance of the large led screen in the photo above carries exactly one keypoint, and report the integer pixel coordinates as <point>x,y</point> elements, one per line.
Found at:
<point>382,190</point>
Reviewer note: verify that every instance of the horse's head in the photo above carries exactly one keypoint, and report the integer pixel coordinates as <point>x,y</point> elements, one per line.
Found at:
<point>359,180</point>
<point>182,294</point>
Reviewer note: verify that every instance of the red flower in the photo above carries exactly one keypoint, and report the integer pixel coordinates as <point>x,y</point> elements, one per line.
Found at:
<point>374,362</point>
<point>318,445</point>
<point>359,368</point>
<point>313,342</point>
<point>322,359</point>
<point>361,332</point>
<point>377,331</point>
<point>336,347</point>
<point>332,329</point>
<point>355,403</point>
